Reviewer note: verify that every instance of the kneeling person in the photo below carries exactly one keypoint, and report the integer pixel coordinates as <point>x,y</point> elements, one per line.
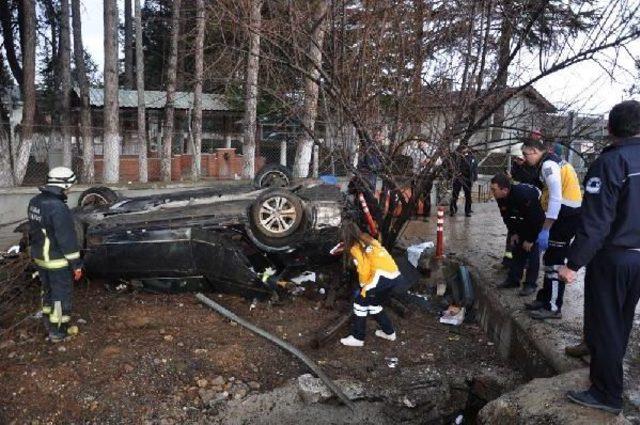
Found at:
<point>523,215</point>
<point>378,275</point>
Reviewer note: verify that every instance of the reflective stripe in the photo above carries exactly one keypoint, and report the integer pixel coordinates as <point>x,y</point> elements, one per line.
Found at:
<point>58,320</point>
<point>375,309</point>
<point>51,264</point>
<point>359,307</point>
<point>360,313</point>
<point>46,246</point>
<point>46,309</point>
<point>56,316</point>
<point>72,256</point>
<point>554,295</point>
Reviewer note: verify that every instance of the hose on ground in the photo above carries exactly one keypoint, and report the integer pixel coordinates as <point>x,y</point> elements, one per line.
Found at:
<point>279,342</point>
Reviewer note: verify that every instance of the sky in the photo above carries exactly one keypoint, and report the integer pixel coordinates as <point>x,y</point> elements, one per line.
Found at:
<point>585,86</point>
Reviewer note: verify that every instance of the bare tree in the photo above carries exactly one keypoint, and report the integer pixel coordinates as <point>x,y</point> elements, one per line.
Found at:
<point>251,90</point>
<point>23,149</point>
<point>88,169</point>
<point>167,128</point>
<point>142,128</point>
<point>14,154</point>
<point>65,82</point>
<point>197,90</point>
<point>111,138</point>
<point>128,46</point>
<point>310,109</point>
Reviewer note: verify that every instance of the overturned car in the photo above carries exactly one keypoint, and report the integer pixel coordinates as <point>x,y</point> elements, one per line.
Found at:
<point>238,239</point>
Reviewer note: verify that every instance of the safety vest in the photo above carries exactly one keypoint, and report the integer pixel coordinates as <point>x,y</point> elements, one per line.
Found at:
<point>571,193</point>
<point>373,262</point>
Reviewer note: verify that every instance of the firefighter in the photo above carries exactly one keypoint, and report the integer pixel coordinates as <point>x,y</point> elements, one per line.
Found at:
<point>54,250</point>
<point>523,215</point>
<point>608,243</point>
<point>378,274</point>
<point>561,199</point>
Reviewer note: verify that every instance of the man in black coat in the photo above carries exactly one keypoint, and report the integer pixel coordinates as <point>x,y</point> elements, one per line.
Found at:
<point>523,215</point>
<point>465,172</point>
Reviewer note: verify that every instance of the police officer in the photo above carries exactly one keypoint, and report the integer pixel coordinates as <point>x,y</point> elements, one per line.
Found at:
<point>465,173</point>
<point>523,215</point>
<point>608,243</point>
<point>561,198</point>
<point>54,250</point>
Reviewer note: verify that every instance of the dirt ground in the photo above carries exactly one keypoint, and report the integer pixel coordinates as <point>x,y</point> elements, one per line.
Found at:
<point>144,358</point>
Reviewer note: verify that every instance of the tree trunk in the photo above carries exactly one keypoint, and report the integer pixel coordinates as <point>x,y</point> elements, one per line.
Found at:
<point>128,46</point>
<point>110,138</point>
<point>504,51</point>
<point>142,130</point>
<point>65,82</point>
<point>9,42</point>
<point>304,148</point>
<point>197,91</point>
<point>167,135</point>
<point>88,170</point>
<point>251,91</point>
<point>21,158</point>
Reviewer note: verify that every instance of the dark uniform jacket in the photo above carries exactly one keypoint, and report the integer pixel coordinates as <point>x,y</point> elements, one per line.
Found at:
<point>52,236</point>
<point>610,217</point>
<point>521,211</point>
<point>465,167</point>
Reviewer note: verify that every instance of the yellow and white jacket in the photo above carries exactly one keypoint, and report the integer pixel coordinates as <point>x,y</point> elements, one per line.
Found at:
<point>373,262</point>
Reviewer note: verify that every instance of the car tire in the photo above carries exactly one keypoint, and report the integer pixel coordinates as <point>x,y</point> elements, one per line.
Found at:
<point>276,216</point>
<point>98,196</point>
<point>272,175</point>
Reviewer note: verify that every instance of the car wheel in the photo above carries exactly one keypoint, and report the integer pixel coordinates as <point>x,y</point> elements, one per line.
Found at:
<point>276,215</point>
<point>98,196</point>
<point>272,175</point>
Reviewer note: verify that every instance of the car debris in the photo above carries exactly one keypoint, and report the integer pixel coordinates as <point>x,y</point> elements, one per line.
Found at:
<point>414,252</point>
<point>454,316</point>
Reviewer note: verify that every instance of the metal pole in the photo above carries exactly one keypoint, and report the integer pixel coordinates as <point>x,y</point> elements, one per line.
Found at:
<point>316,159</point>
<point>279,342</point>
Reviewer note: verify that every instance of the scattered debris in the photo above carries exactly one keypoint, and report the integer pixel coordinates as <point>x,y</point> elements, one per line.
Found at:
<point>392,362</point>
<point>454,315</point>
<point>307,276</point>
<point>414,252</point>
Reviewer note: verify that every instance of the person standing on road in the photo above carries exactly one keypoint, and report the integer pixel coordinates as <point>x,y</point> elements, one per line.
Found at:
<point>608,243</point>
<point>54,250</point>
<point>465,172</point>
<point>523,215</point>
<point>378,274</point>
<point>561,198</point>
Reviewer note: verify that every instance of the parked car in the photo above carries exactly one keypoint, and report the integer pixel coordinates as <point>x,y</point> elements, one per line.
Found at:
<point>222,237</point>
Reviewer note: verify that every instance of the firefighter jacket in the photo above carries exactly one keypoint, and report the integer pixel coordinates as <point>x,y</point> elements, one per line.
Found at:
<point>561,189</point>
<point>521,211</point>
<point>609,217</point>
<point>52,236</point>
<point>373,262</point>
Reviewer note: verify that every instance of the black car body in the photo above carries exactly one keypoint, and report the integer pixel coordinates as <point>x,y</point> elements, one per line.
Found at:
<point>227,238</point>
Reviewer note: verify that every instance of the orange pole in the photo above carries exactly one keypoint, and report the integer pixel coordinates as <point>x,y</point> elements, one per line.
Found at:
<point>370,222</point>
<point>440,234</point>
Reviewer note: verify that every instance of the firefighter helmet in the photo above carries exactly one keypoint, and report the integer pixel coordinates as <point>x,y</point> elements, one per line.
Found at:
<point>61,177</point>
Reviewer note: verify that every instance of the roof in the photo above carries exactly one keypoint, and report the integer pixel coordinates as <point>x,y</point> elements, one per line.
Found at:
<point>157,100</point>
<point>452,96</point>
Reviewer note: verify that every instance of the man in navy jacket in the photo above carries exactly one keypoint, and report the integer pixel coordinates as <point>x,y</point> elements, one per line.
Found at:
<point>607,242</point>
